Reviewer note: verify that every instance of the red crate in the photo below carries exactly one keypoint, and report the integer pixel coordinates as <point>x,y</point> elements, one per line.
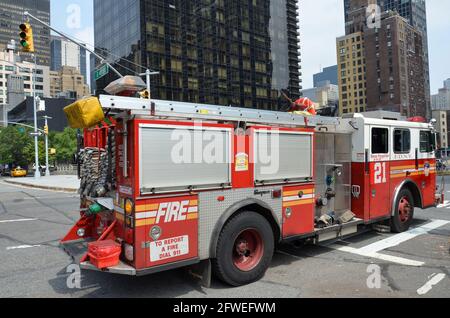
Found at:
<point>104,254</point>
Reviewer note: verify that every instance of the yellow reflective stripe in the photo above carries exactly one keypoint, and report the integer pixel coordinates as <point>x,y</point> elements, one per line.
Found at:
<point>147,207</point>
<point>299,202</point>
<point>145,222</point>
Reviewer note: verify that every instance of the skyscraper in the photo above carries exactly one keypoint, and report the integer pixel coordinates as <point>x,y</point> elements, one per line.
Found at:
<point>11,16</point>
<point>328,74</point>
<point>414,11</point>
<point>234,52</point>
<point>394,67</point>
<point>66,53</point>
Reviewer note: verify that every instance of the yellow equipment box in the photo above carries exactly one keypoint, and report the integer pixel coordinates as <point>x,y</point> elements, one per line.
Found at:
<point>85,113</point>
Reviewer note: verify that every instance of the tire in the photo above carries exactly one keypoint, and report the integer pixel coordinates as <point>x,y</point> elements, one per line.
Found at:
<point>404,212</point>
<point>244,249</point>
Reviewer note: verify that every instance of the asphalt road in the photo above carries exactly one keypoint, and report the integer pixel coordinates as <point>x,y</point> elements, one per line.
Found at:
<point>32,265</point>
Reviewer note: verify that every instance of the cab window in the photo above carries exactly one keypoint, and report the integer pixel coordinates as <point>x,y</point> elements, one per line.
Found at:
<point>380,141</point>
<point>402,141</point>
<point>427,142</point>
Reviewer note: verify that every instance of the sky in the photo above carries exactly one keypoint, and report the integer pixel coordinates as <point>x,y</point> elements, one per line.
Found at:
<point>322,21</point>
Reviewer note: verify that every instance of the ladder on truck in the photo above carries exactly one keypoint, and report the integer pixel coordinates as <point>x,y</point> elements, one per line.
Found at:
<point>192,111</point>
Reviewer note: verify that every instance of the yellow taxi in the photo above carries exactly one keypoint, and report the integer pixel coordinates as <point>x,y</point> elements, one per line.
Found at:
<point>18,173</point>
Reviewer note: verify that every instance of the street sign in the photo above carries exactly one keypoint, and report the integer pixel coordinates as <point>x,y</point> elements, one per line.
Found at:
<point>101,71</point>
<point>41,105</point>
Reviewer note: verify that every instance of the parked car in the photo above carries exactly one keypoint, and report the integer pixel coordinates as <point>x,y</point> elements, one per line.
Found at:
<point>18,173</point>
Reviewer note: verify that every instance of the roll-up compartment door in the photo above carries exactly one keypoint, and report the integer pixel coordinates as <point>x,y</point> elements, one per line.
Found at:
<point>176,158</point>
<point>282,156</point>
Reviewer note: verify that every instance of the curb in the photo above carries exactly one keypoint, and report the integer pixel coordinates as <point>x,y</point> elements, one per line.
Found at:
<point>42,187</point>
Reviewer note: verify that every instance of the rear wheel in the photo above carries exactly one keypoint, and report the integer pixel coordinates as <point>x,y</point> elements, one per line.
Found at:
<point>244,249</point>
<point>404,212</point>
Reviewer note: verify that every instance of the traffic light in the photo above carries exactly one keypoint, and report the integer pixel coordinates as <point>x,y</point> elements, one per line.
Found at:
<point>26,38</point>
<point>46,130</point>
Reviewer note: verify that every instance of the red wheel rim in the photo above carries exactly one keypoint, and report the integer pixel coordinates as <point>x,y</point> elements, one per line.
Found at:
<point>248,250</point>
<point>404,209</point>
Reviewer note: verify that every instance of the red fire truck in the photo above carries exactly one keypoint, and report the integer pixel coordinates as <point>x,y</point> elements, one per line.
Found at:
<point>178,184</point>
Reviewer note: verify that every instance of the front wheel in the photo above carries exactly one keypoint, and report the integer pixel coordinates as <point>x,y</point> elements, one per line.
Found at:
<point>244,250</point>
<point>404,212</point>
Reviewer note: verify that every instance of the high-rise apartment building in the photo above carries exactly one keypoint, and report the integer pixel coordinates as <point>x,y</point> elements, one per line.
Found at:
<point>394,64</point>
<point>67,53</point>
<point>414,11</point>
<point>11,16</point>
<point>352,73</point>
<point>227,52</point>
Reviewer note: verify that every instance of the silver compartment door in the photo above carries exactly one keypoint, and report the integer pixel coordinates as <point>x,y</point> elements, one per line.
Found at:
<point>163,169</point>
<point>281,156</point>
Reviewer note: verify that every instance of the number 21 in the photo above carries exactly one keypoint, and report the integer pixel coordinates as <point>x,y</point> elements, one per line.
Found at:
<point>380,173</point>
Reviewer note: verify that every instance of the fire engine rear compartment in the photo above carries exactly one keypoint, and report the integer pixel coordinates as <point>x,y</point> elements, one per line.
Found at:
<point>299,178</point>
<point>172,208</point>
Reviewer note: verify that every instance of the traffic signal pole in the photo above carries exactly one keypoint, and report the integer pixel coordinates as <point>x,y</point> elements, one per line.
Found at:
<point>102,59</point>
<point>47,169</point>
<point>37,173</point>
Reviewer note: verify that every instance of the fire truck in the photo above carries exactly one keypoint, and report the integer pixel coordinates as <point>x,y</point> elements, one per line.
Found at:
<point>170,184</point>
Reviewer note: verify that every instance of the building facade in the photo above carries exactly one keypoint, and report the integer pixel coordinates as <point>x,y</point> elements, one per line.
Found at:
<point>352,73</point>
<point>66,53</point>
<point>441,100</point>
<point>11,16</point>
<point>68,81</point>
<point>326,95</point>
<point>394,63</point>
<point>414,11</point>
<point>328,74</point>
<point>54,108</point>
<point>234,52</point>
<point>25,70</point>
<point>441,127</point>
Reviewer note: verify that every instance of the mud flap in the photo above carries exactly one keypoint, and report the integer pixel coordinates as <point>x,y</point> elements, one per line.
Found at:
<point>203,272</point>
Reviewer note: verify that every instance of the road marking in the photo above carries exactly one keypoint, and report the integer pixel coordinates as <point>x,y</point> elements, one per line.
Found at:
<point>444,205</point>
<point>383,257</point>
<point>436,279</point>
<point>21,247</point>
<point>373,250</point>
<point>18,220</point>
<point>402,237</point>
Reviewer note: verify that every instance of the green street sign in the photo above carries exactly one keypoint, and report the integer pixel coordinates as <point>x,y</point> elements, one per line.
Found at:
<point>101,71</point>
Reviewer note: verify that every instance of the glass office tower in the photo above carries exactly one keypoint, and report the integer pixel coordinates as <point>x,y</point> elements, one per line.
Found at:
<point>227,52</point>
<point>11,16</point>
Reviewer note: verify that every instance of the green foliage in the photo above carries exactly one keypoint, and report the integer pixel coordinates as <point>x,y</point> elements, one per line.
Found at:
<point>65,144</point>
<point>13,142</point>
<point>17,146</point>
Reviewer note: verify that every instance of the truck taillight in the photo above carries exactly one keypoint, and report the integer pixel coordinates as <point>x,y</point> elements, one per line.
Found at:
<point>129,207</point>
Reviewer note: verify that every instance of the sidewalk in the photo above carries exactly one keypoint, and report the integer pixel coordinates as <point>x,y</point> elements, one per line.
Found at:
<point>53,183</point>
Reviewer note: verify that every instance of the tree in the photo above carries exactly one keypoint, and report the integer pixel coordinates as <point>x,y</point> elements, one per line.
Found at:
<point>65,144</point>
<point>17,146</point>
<point>13,144</point>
